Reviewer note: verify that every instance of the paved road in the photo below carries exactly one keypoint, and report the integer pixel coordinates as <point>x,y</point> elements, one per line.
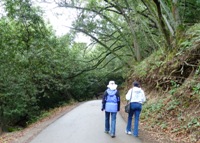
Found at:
<point>84,124</point>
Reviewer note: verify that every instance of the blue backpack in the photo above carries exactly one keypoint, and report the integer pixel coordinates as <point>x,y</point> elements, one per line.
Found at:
<point>111,102</point>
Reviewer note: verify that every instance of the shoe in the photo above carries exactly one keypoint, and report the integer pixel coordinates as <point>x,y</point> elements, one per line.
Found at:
<point>106,132</point>
<point>128,132</point>
<point>112,136</point>
<point>135,136</point>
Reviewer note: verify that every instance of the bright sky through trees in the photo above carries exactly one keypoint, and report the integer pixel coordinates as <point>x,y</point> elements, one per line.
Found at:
<point>60,18</point>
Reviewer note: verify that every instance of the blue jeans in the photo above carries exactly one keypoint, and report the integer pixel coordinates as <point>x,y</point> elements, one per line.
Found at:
<point>135,109</point>
<point>113,122</point>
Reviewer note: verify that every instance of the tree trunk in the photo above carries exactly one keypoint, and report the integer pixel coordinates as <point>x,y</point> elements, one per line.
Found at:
<point>135,42</point>
<point>0,130</point>
<point>175,12</point>
<point>162,24</point>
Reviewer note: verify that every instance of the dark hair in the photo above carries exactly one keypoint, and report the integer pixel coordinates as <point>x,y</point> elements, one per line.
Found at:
<point>136,84</point>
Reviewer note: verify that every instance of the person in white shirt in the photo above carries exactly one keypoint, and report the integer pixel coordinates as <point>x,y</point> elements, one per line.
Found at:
<point>137,98</point>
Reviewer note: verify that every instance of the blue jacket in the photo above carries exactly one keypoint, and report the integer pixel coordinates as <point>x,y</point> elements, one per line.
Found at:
<point>111,101</point>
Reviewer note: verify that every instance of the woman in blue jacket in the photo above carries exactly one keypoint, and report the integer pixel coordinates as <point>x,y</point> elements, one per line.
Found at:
<point>111,105</point>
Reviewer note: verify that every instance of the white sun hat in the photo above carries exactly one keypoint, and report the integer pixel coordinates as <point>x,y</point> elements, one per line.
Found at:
<point>112,85</point>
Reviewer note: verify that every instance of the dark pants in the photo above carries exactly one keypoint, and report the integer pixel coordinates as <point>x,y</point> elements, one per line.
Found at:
<point>108,127</point>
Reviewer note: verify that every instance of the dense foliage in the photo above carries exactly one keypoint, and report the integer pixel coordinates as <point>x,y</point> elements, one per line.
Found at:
<point>39,70</point>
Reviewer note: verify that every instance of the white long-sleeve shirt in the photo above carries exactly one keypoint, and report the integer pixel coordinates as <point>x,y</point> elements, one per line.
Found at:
<point>137,95</point>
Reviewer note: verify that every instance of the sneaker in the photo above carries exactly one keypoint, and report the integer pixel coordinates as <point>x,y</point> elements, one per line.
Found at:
<point>106,132</point>
<point>112,136</point>
<point>128,132</point>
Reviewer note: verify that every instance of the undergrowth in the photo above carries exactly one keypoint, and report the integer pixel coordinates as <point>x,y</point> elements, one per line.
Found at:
<point>172,85</point>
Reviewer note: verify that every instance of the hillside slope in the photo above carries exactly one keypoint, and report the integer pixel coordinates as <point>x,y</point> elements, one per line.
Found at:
<point>172,84</point>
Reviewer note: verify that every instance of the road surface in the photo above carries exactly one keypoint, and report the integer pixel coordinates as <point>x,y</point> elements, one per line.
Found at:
<point>84,124</point>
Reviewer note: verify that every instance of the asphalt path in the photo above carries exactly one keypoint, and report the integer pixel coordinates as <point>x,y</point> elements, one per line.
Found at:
<point>84,124</point>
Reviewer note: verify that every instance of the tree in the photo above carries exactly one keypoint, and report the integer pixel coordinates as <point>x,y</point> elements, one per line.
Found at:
<point>23,37</point>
